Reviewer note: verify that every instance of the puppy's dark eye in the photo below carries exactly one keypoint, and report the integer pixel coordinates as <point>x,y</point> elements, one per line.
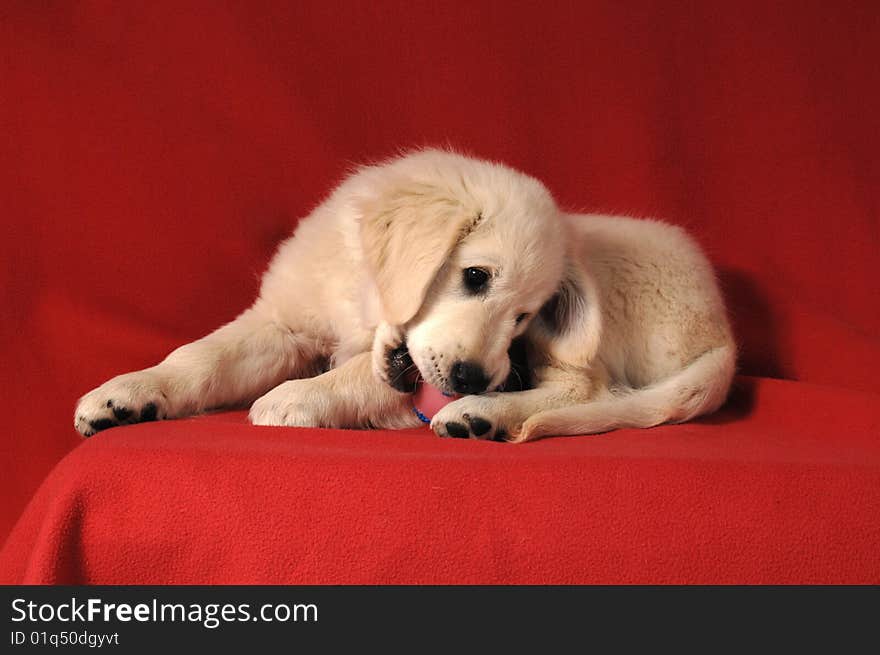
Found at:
<point>475,279</point>
<point>521,318</point>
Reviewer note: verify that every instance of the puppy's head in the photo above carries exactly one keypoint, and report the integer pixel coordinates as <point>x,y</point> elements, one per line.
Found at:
<point>464,253</point>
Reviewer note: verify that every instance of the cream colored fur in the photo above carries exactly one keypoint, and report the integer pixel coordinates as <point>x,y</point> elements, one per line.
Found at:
<point>624,319</point>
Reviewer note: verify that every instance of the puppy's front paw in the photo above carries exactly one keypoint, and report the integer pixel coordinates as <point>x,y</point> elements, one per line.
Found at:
<point>130,398</point>
<point>476,417</point>
<point>296,403</point>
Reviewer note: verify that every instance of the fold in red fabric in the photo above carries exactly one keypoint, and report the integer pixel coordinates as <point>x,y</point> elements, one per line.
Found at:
<point>154,154</point>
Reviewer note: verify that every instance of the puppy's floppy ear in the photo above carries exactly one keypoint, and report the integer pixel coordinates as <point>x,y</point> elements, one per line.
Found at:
<point>569,325</point>
<point>408,230</point>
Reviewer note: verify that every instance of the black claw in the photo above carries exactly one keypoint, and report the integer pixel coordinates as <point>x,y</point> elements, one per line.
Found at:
<point>479,426</point>
<point>148,413</point>
<point>457,430</point>
<point>121,413</point>
<point>102,424</point>
<point>88,433</point>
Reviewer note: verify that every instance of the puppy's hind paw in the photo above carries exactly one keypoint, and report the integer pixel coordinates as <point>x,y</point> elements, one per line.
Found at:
<point>471,417</point>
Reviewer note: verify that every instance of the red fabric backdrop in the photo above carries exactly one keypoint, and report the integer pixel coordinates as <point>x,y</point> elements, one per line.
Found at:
<point>154,153</point>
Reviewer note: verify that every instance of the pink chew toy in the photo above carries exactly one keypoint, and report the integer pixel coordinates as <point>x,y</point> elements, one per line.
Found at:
<point>428,400</point>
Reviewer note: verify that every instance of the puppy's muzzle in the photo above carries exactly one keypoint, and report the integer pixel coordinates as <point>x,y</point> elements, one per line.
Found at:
<point>468,378</point>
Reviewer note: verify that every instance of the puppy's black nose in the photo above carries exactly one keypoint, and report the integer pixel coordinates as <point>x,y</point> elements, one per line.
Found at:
<point>468,377</point>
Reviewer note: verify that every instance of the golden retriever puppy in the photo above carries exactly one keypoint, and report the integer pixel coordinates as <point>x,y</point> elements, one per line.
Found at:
<point>438,266</point>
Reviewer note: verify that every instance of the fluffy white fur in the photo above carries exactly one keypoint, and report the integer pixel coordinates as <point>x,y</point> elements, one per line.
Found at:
<point>624,320</point>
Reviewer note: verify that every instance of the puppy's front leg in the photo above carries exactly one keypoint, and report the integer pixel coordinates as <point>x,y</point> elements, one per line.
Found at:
<point>500,415</point>
<point>229,367</point>
<point>349,396</point>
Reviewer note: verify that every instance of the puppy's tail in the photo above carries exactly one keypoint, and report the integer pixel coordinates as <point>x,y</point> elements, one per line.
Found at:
<point>699,388</point>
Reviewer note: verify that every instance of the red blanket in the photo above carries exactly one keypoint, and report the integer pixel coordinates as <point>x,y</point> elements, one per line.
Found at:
<point>763,492</point>
<point>154,154</point>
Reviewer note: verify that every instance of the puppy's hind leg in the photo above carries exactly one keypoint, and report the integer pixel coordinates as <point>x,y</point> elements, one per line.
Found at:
<point>230,367</point>
<point>699,388</point>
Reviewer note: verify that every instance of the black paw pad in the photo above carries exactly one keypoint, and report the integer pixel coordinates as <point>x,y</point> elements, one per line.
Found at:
<point>402,374</point>
<point>479,426</point>
<point>122,413</point>
<point>457,430</point>
<point>102,424</point>
<point>148,413</point>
